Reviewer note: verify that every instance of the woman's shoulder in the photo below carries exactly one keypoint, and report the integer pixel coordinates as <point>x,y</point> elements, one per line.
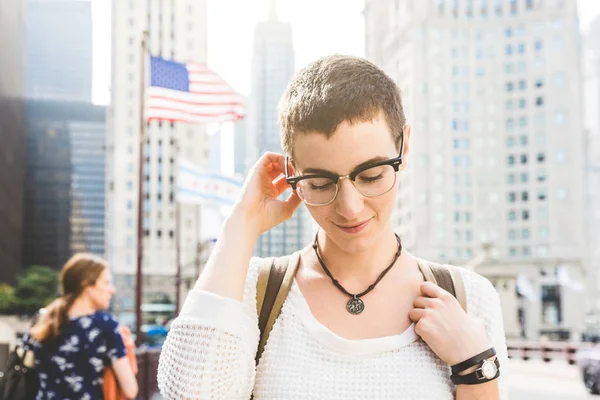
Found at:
<point>100,319</point>
<point>476,284</point>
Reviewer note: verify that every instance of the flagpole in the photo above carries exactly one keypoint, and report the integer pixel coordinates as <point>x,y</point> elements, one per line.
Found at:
<point>140,224</point>
<point>178,256</point>
<point>198,242</point>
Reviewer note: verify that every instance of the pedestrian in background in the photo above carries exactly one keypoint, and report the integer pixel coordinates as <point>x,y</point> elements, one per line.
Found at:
<point>74,339</point>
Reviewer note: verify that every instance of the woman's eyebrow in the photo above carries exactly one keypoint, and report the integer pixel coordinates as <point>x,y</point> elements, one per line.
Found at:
<point>363,164</point>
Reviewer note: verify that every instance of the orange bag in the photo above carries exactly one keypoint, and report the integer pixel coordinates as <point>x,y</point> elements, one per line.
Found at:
<point>110,386</point>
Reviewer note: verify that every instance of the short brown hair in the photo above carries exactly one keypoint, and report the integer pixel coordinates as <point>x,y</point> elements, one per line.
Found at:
<point>335,89</point>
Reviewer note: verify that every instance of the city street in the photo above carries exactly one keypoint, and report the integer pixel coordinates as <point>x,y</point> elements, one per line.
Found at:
<point>536,380</point>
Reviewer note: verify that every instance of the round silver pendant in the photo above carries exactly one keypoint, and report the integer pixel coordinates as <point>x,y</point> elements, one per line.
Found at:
<point>355,306</point>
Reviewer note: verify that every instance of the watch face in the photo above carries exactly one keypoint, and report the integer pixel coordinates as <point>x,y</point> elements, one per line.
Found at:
<point>489,369</point>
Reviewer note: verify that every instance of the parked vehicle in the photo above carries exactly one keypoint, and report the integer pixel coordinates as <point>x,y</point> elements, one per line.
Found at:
<point>589,363</point>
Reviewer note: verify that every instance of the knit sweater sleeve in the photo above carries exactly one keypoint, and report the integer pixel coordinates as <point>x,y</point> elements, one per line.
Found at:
<point>483,302</point>
<point>209,351</point>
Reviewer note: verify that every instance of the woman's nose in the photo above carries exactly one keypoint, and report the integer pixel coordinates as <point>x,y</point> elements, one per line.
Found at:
<point>349,202</point>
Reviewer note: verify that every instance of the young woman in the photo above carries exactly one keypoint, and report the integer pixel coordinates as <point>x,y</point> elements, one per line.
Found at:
<point>74,339</point>
<point>344,131</point>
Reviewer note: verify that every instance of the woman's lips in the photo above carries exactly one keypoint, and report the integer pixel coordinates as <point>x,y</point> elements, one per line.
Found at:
<point>354,228</point>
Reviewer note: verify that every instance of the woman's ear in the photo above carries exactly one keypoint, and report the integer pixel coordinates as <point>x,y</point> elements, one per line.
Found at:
<point>405,151</point>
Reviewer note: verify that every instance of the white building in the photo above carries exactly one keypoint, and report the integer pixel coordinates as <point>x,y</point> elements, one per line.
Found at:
<point>177,30</point>
<point>493,92</point>
<point>591,71</point>
<point>272,70</point>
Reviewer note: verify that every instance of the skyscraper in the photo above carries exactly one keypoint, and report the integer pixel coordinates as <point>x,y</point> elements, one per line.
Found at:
<point>591,71</point>
<point>59,50</point>
<point>272,70</point>
<point>492,90</point>
<point>177,31</point>
<point>12,136</point>
<point>64,196</point>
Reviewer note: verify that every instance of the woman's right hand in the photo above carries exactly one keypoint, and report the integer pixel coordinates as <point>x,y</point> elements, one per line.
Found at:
<point>258,202</point>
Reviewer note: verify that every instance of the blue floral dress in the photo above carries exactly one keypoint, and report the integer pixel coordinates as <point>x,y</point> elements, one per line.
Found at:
<point>71,365</point>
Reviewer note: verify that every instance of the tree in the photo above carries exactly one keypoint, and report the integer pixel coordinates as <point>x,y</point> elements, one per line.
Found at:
<point>35,288</point>
<point>7,298</point>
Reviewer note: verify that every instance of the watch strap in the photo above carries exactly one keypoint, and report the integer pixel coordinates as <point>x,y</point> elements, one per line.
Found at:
<point>475,377</point>
<point>473,361</point>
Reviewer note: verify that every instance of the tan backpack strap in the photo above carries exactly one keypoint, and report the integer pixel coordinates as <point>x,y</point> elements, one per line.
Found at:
<point>459,286</point>
<point>273,286</point>
<point>447,277</point>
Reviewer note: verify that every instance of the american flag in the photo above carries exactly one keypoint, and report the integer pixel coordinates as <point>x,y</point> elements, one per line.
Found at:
<point>190,93</point>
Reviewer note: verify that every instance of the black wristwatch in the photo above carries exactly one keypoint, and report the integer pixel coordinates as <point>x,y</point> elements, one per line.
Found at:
<point>488,371</point>
<point>473,361</point>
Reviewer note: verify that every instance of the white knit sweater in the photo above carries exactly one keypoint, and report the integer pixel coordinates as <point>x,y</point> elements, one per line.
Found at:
<point>209,353</point>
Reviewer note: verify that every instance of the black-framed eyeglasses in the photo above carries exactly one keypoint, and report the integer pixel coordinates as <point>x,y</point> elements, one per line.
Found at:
<point>371,180</point>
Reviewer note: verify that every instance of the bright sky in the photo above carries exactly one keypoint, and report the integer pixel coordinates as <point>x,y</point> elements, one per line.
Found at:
<point>337,27</point>
<point>320,27</point>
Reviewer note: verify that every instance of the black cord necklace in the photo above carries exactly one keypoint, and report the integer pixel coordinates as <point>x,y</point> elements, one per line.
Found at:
<point>355,305</point>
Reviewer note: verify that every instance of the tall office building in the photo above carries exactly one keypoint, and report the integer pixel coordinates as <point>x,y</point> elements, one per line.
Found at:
<point>272,70</point>
<point>493,92</point>
<point>591,71</point>
<point>59,50</point>
<point>12,136</point>
<point>64,196</point>
<point>176,30</point>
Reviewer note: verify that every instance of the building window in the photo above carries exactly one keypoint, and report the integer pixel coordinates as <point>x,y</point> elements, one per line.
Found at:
<point>524,176</point>
<point>508,49</point>
<point>541,157</point>
<point>511,178</point>
<point>524,140</point>
<point>510,123</point>
<point>539,83</point>
<point>525,233</point>
<point>525,215</point>
<point>508,32</point>
<point>526,251</point>
<point>512,197</point>
<point>521,48</point>
<point>524,196</point>
<point>509,86</point>
<point>509,105</point>
<point>522,85</point>
<point>539,101</point>
<point>512,252</point>
<point>538,45</point>
<point>522,103</point>
<point>511,160</point>
<point>541,176</point>
<point>508,68</point>
<point>523,158</point>
<point>523,122</point>
<point>542,194</point>
<point>510,141</point>
<point>512,215</point>
<point>512,234</point>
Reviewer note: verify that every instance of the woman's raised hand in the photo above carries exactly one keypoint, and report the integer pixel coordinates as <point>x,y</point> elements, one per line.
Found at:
<point>258,203</point>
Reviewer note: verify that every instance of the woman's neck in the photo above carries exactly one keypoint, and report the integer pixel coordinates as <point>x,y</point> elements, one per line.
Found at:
<point>363,265</point>
<point>80,308</point>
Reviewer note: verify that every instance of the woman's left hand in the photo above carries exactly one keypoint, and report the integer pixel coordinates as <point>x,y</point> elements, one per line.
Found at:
<point>447,329</point>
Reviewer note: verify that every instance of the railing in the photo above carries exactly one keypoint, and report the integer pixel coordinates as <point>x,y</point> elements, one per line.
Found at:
<point>147,368</point>
<point>547,351</point>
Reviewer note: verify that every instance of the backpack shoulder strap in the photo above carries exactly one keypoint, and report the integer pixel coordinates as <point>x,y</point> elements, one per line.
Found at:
<point>274,282</point>
<point>447,277</point>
